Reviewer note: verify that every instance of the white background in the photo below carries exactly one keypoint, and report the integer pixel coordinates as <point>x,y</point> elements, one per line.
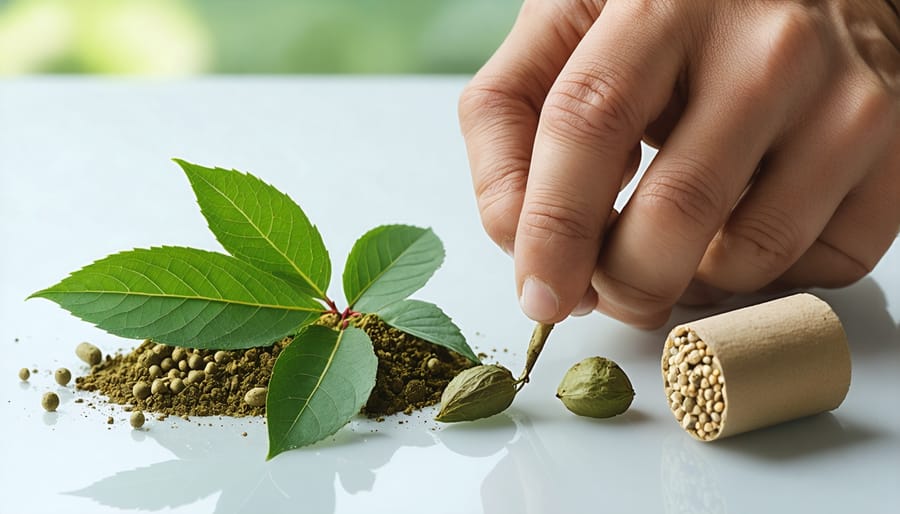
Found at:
<point>85,171</point>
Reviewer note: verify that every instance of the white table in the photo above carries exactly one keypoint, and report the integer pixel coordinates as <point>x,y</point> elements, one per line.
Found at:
<point>84,172</point>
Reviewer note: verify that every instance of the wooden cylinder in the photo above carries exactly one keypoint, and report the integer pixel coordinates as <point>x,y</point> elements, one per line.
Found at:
<point>755,367</point>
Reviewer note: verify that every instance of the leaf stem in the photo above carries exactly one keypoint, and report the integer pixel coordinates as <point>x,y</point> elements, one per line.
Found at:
<point>332,305</point>
<point>535,345</point>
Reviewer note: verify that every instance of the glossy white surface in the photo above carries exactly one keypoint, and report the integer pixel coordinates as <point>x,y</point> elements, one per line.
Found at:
<point>84,172</point>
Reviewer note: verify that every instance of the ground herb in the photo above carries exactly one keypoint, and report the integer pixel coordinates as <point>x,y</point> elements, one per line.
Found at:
<point>412,373</point>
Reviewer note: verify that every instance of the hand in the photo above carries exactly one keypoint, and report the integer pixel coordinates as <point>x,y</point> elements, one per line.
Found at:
<point>778,136</point>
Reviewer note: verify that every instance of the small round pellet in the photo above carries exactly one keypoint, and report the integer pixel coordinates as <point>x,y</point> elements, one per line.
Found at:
<point>221,357</point>
<point>176,386</point>
<point>178,354</point>
<point>155,371</point>
<point>167,364</point>
<point>137,419</point>
<point>256,397</point>
<point>89,353</point>
<point>24,374</point>
<point>194,376</point>
<point>141,390</point>
<point>183,366</point>
<point>159,387</point>
<point>62,376</point>
<point>50,401</point>
<point>210,368</point>
<point>195,362</point>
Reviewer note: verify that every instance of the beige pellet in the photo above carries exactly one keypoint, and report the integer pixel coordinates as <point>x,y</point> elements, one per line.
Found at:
<point>176,385</point>
<point>89,353</point>
<point>256,397</point>
<point>62,376</point>
<point>195,362</point>
<point>210,368</point>
<point>167,364</point>
<point>137,419</point>
<point>178,354</point>
<point>194,376</point>
<point>159,387</point>
<point>719,407</point>
<point>24,374</point>
<point>141,390</point>
<point>50,401</point>
<point>183,366</point>
<point>155,371</point>
<point>220,357</point>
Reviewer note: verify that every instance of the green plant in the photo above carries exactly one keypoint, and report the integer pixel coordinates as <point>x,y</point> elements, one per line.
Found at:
<point>273,284</point>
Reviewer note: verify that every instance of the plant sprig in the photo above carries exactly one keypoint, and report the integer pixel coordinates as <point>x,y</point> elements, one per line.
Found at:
<point>272,283</point>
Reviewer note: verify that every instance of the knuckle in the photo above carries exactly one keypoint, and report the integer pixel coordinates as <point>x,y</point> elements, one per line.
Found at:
<point>687,195</point>
<point>488,98</point>
<point>590,106</point>
<point>636,298</point>
<point>548,217</point>
<point>767,239</point>
<point>793,34</point>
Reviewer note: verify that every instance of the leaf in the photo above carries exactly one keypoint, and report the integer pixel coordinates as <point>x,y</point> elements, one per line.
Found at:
<point>320,380</point>
<point>427,321</point>
<point>261,225</point>
<point>389,263</point>
<point>184,296</point>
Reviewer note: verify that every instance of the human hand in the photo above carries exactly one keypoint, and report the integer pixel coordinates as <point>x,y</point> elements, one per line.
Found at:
<point>779,160</point>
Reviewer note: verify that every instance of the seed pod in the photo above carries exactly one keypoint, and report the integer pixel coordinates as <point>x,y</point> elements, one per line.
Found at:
<point>477,393</point>
<point>24,374</point>
<point>62,376</point>
<point>256,397</point>
<point>89,353</point>
<point>137,419</point>
<point>596,387</point>
<point>141,390</point>
<point>50,402</point>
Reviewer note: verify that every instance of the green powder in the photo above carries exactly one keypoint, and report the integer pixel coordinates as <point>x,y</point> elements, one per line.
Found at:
<point>412,373</point>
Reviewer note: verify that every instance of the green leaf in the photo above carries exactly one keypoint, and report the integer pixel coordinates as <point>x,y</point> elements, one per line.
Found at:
<point>389,263</point>
<point>184,296</point>
<point>320,381</point>
<point>261,225</point>
<point>427,321</point>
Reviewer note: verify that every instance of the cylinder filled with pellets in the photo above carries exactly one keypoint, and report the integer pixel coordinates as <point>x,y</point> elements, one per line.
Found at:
<point>755,367</point>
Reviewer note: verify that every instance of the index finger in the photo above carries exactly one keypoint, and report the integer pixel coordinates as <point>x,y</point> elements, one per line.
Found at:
<point>617,81</point>
<point>499,109</point>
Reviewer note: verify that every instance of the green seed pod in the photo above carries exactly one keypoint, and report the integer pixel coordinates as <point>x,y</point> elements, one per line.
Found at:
<point>596,387</point>
<point>50,402</point>
<point>137,419</point>
<point>62,376</point>
<point>89,353</point>
<point>477,393</point>
<point>256,397</point>
<point>24,374</point>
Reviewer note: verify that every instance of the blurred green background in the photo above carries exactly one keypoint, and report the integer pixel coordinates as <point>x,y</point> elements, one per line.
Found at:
<point>185,37</point>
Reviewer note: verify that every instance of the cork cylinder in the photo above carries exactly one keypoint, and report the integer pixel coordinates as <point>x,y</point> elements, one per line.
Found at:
<point>755,367</point>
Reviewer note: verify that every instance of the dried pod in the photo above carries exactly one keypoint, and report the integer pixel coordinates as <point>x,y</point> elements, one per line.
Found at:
<point>596,387</point>
<point>256,397</point>
<point>477,393</point>
<point>89,353</point>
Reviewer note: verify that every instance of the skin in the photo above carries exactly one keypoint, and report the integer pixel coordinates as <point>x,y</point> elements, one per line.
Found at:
<point>778,129</point>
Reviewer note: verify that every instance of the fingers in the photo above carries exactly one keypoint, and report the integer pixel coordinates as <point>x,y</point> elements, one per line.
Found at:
<point>499,110</point>
<point>689,191</point>
<point>592,118</point>
<point>796,194</point>
<point>863,228</point>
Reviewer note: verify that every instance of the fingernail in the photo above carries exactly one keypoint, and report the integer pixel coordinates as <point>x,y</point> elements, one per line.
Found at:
<point>585,306</point>
<point>538,300</point>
